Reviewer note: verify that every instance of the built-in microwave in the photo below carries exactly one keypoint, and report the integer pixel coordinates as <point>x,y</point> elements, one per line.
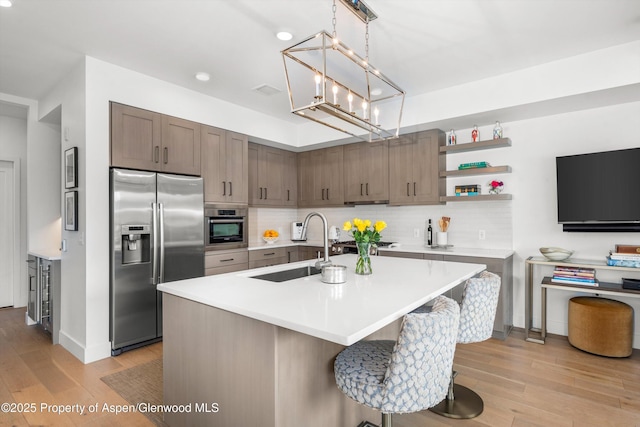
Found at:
<point>225,227</point>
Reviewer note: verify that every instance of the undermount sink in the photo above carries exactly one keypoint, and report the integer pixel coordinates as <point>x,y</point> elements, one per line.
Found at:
<point>283,276</point>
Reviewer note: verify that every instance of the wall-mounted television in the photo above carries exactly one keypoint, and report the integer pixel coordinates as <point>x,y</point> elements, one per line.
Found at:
<point>599,191</point>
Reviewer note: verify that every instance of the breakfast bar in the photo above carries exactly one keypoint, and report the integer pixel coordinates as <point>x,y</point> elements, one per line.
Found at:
<point>241,350</point>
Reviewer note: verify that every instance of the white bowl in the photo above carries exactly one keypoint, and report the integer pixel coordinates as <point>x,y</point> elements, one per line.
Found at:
<point>270,240</point>
<point>556,254</point>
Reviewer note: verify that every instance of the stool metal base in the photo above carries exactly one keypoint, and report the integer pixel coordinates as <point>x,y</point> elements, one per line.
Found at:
<point>466,404</point>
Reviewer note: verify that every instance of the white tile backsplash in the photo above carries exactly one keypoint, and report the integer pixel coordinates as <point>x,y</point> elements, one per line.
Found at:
<point>467,218</point>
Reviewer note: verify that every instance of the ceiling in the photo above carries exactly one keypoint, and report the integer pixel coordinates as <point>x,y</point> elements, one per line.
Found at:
<point>422,45</point>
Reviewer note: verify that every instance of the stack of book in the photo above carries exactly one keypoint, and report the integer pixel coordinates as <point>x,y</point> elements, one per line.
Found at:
<point>574,276</point>
<point>474,165</point>
<point>468,190</point>
<point>624,256</point>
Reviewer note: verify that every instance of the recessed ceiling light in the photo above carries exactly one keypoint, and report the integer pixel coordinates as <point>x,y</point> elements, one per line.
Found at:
<point>5,3</point>
<point>284,35</point>
<point>202,76</point>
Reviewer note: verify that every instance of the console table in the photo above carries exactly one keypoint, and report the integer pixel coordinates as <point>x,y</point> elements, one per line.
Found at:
<point>538,335</point>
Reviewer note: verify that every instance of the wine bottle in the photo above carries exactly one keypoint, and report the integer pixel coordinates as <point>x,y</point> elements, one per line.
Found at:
<point>428,235</point>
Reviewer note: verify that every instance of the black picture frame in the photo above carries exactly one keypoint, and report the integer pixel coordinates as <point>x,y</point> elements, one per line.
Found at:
<point>71,211</point>
<point>71,167</point>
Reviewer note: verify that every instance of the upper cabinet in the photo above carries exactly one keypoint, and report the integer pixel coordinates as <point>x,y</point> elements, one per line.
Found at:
<point>415,163</point>
<point>290,195</point>
<point>224,165</point>
<point>267,175</point>
<point>320,177</point>
<point>366,172</point>
<point>147,140</point>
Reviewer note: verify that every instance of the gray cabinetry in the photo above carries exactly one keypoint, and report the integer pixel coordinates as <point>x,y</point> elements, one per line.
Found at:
<point>218,262</point>
<point>415,162</point>
<point>267,174</point>
<point>267,257</point>
<point>366,172</point>
<point>320,177</point>
<point>224,165</point>
<point>142,139</point>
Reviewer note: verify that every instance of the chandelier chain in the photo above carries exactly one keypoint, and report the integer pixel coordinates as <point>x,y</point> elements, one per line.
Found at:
<point>366,42</point>
<point>333,21</point>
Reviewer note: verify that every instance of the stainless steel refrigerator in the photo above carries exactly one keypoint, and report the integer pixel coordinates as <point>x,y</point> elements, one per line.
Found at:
<point>157,235</point>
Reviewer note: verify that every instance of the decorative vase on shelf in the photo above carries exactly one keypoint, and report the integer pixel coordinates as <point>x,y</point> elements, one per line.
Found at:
<point>363,264</point>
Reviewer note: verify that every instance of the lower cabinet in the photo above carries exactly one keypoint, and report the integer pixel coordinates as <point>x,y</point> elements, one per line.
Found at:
<point>218,262</point>
<point>267,257</point>
<point>283,255</point>
<point>502,267</point>
<point>310,252</point>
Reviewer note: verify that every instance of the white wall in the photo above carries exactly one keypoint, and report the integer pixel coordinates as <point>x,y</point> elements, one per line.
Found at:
<point>34,147</point>
<point>13,148</point>
<point>78,304</point>
<point>536,143</point>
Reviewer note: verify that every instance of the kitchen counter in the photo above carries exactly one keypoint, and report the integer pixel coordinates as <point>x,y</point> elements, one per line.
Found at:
<point>459,251</point>
<point>342,313</point>
<point>50,255</point>
<point>263,352</point>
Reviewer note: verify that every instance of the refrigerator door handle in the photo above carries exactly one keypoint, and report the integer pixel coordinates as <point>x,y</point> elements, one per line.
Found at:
<point>161,227</point>
<point>154,255</point>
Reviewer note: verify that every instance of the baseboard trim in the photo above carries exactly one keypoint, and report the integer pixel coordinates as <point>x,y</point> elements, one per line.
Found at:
<point>82,353</point>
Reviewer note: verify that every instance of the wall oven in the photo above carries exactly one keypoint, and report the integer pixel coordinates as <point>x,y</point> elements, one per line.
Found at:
<point>225,227</point>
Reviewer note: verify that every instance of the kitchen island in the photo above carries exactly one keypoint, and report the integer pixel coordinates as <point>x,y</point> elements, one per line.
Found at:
<point>245,351</point>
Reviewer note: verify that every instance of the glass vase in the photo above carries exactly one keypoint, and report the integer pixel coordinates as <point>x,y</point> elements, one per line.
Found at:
<point>363,264</point>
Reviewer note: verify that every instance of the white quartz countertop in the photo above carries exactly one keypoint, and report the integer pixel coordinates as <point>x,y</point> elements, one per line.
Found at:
<point>341,313</point>
<point>472,252</point>
<point>51,255</point>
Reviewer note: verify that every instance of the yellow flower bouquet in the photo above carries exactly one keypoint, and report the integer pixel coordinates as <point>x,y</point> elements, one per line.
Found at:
<point>365,234</point>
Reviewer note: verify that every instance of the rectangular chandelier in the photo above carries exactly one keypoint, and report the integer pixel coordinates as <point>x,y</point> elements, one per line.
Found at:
<point>332,85</point>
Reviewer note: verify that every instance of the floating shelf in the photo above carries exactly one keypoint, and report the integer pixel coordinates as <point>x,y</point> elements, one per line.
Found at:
<point>480,145</point>
<point>479,198</point>
<point>476,171</point>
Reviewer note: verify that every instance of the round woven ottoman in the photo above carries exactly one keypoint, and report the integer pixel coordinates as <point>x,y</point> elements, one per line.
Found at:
<point>601,326</point>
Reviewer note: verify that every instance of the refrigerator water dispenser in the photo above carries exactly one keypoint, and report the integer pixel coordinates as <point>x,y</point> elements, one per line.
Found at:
<point>136,244</point>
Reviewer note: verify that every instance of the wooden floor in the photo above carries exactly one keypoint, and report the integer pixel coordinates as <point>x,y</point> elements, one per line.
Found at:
<point>522,384</point>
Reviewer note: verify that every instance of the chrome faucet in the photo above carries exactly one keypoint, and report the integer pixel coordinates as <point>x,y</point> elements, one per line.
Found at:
<point>319,263</point>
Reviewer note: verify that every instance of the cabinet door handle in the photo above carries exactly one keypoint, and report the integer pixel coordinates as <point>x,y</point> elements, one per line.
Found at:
<point>227,260</point>
<point>269,254</point>
<point>327,194</point>
<point>156,154</point>
<point>224,188</point>
<point>230,188</point>
<point>414,188</point>
<point>361,189</point>
<point>367,188</point>
<point>260,193</point>
<point>408,189</point>
<point>166,155</point>
<point>288,196</point>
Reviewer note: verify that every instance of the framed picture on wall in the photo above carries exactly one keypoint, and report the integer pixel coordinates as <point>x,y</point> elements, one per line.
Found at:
<point>71,210</point>
<point>71,168</point>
